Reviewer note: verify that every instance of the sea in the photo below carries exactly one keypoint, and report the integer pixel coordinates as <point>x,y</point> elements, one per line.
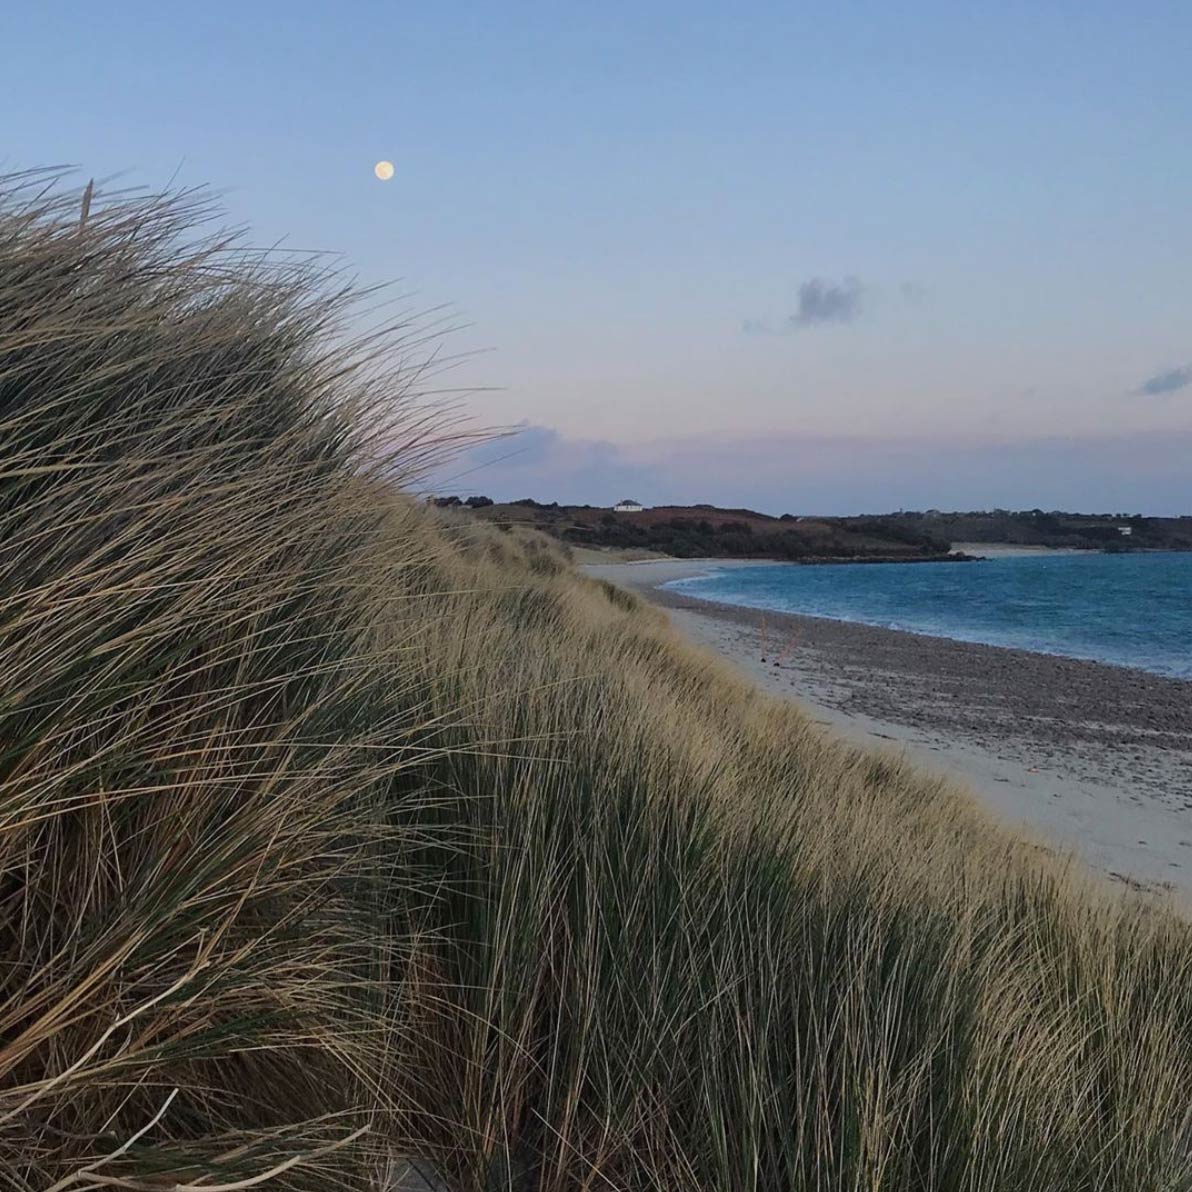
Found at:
<point>1132,610</point>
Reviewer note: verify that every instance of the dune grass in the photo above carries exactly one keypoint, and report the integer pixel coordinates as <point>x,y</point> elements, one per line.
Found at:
<point>334,830</point>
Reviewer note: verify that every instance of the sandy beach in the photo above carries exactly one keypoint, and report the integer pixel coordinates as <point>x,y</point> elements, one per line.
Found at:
<point>1088,758</point>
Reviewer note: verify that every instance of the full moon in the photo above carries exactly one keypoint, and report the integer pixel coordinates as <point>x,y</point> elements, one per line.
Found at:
<point>383,170</point>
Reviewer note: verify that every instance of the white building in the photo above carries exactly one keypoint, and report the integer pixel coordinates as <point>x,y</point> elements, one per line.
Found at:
<point>628,506</point>
<point>1125,531</point>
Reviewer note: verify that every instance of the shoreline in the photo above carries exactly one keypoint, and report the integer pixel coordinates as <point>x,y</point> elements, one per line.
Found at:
<point>1014,550</point>
<point>1089,758</point>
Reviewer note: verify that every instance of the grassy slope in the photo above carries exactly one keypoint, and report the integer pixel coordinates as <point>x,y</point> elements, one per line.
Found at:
<point>331,830</point>
<point>700,531</point>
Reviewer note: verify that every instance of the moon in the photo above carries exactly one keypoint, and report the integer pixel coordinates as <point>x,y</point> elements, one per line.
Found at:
<point>383,170</point>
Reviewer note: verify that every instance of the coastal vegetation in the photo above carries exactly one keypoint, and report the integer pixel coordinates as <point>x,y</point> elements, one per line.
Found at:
<point>336,829</point>
<point>1115,532</point>
<point>704,531</point>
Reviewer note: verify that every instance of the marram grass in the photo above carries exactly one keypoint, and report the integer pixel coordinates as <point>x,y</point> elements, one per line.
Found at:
<point>333,831</point>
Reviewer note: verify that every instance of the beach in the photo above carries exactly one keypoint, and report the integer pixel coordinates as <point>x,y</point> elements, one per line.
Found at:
<point>1090,759</point>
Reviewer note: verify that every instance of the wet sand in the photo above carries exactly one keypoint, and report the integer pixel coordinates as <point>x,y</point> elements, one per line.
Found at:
<point>1089,758</point>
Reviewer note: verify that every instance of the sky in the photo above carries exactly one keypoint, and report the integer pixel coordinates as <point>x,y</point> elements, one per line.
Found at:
<point>805,258</point>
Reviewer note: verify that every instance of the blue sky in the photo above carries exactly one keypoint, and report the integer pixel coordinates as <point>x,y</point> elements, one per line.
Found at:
<point>710,248</point>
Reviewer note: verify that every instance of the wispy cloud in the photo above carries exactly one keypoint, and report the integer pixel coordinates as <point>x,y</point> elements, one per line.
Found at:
<point>824,301</point>
<point>821,301</point>
<point>914,292</point>
<point>1170,381</point>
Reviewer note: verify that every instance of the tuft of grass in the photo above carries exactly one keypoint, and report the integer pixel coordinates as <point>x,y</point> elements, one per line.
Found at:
<point>333,829</point>
<point>199,727</point>
<point>696,945</point>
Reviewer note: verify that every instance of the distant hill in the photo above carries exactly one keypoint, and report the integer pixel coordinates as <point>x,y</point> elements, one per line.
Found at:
<point>705,531</point>
<point>1035,527</point>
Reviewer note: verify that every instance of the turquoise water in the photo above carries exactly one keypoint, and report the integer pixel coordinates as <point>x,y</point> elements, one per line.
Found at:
<point>1128,610</point>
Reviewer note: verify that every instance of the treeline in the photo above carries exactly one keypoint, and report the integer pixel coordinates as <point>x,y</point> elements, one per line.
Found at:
<point>457,502</point>
<point>688,538</point>
<point>1037,527</point>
